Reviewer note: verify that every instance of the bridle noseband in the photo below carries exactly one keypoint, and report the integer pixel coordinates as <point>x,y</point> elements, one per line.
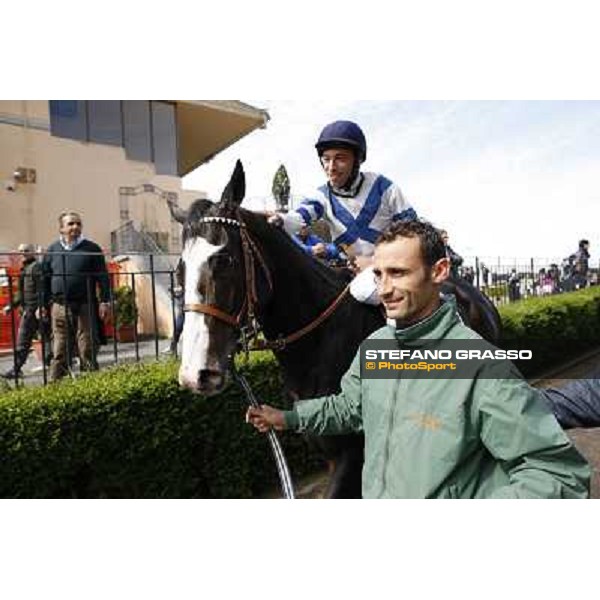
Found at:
<point>251,329</point>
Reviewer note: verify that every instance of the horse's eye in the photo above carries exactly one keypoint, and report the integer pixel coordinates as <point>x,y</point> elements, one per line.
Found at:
<point>221,261</point>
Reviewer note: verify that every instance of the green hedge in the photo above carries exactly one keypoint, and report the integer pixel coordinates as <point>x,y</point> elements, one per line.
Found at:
<point>131,432</point>
<point>555,328</point>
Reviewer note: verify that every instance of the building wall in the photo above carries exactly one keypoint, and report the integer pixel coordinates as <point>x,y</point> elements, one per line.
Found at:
<point>75,175</point>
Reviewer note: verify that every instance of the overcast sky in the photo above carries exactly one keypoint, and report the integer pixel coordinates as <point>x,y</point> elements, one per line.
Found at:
<point>507,178</point>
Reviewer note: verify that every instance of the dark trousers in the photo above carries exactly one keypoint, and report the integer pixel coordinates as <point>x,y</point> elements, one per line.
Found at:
<point>179,320</point>
<point>28,328</point>
<point>72,322</point>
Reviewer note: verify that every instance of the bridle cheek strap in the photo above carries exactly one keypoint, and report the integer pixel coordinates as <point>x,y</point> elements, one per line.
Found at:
<point>249,251</point>
<point>213,311</point>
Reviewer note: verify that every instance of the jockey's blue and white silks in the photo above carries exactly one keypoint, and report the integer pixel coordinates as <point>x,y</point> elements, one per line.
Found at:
<point>355,221</point>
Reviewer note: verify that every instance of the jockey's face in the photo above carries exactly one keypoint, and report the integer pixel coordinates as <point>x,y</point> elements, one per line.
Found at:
<point>338,164</point>
<point>408,288</point>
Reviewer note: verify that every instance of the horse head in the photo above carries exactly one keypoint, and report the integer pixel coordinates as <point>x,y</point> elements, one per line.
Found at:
<point>215,295</point>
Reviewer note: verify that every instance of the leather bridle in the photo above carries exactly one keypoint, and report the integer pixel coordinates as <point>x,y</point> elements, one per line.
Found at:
<point>250,330</point>
<point>251,254</point>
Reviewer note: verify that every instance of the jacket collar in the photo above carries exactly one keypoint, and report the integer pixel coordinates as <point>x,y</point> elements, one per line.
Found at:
<point>435,326</point>
<point>73,245</point>
<point>351,190</point>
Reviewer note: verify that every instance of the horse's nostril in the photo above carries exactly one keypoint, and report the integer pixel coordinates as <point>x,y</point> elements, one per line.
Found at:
<point>206,375</point>
<point>210,380</point>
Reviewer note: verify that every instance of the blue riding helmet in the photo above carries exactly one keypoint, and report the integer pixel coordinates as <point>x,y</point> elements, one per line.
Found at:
<point>343,134</point>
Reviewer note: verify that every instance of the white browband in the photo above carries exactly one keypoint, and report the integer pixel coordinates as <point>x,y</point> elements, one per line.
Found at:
<point>223,220</point>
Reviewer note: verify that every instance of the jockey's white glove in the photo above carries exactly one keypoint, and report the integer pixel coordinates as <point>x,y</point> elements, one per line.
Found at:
<point>364,288</point>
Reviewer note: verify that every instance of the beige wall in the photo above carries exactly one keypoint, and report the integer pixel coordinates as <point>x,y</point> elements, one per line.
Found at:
<point>71,174</point>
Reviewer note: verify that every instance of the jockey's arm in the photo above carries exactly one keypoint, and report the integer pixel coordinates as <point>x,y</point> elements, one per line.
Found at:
<point>292,221</point>
<point>309,211</point>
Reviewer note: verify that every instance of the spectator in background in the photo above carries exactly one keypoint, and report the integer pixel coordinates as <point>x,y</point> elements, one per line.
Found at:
<point>554,273</point>
<point>514,287</point>
<point>456,259</point>
<point>582,256</point>
<point>547,284</point>
<point>73,268</point>
<point>28,299</point>
<point>485,275</point>
<point>581,266</point>
<point>312,244</point>
<point>542,282</point>
<point>469,275</point>
<point>177,294</point>
<point>567,266</point>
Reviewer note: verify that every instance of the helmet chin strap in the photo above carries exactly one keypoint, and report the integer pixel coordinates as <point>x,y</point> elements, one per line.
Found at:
<point>352,187</point>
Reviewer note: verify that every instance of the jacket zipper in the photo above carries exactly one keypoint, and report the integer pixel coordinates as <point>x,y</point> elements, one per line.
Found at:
<point>390,429</point>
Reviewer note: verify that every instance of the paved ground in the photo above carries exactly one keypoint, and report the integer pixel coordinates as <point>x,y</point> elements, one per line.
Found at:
<point>126,352</point>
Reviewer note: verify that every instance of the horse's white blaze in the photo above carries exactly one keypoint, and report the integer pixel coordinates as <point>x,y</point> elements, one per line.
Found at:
<point>194,355</point>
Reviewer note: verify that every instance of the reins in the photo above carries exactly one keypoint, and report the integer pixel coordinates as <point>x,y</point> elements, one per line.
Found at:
<point>251,253</point>
<point>281,343</point>
<point>283,470</point>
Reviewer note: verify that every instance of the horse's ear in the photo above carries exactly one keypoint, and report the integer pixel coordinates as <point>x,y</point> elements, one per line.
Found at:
<point>235,191</point>
<point>178,213</point>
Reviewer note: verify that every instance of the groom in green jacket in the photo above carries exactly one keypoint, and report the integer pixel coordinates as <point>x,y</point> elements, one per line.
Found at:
<point>486,436</point>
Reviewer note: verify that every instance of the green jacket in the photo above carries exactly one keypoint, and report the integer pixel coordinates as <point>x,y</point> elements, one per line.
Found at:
<point>449,438</point>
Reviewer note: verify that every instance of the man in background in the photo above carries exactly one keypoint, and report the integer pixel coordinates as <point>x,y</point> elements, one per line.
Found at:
<point>74,268</point>
<point>28,299</point>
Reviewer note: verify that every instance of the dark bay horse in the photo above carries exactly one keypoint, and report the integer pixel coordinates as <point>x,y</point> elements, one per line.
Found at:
<point>240,270</point>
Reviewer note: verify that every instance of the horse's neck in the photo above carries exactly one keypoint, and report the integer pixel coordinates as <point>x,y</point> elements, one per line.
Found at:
<point>314,364</point>
<point>299,294</point>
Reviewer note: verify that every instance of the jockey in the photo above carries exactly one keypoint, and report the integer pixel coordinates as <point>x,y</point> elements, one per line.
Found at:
<point>357,205</point>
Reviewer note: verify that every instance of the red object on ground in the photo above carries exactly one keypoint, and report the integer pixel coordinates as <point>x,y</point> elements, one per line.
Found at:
<point>114,270</point>
<point>10,267</point>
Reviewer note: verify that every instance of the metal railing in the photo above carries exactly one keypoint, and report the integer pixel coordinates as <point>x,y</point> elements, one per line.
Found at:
<point>140,288</point>
<point>510,280</point>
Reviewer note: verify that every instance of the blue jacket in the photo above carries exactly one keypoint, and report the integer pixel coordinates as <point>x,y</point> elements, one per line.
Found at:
<point>576,404</point>
<point>312,240</point>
